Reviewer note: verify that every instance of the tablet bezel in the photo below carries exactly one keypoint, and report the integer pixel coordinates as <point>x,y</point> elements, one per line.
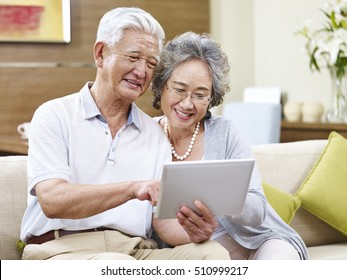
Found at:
<point>206,180</point>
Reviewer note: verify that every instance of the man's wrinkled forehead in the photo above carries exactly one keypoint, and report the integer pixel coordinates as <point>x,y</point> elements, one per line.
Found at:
<point>140,42</point>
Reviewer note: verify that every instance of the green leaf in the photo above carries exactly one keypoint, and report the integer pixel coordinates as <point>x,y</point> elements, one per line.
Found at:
<point>313,61</point>
<point>333,20</point>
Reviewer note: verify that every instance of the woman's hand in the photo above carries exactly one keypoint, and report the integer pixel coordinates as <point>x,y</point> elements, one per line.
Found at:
<point>198,227</point>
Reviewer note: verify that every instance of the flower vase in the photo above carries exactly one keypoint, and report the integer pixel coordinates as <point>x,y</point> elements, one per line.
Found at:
<point>338,110</point>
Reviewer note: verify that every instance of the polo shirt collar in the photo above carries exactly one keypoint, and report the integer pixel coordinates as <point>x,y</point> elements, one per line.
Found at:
<point>91,110</point>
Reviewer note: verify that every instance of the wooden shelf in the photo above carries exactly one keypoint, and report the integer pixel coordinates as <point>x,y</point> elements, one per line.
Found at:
<point>13,145</point>
<point>297,131</point>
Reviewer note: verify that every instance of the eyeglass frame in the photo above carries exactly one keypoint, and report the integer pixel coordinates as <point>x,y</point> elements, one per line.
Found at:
<point>184,94</point>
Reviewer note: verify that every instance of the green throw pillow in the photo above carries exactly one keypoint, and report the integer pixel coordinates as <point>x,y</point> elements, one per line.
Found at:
<point>324,191</point>
<point>283,203</point>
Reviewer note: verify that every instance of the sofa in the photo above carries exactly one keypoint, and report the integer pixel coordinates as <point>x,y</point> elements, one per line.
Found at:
<point>283,165</point>
<point>287,166</point>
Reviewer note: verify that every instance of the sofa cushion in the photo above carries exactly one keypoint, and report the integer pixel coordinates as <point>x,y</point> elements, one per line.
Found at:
<point>283,203</point>
<point>286,165</point>
<point>314,231</point>
<point>328,252</point>
<point>324,191</point>
<point>13,190</point>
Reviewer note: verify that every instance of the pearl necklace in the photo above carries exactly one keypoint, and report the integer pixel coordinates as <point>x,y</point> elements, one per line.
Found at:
<point>191,144</point>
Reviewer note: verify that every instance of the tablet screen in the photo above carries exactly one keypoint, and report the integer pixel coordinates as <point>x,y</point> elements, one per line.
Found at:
<point>221,184</point>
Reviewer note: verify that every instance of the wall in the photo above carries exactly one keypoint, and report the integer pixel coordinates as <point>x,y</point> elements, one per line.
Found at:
<point>278,52</point>
<point>23,89</point>
<point>258,36</point>
<point>232,27</point>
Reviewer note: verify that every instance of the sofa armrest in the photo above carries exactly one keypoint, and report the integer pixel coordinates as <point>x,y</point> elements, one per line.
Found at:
<point>13,194</point>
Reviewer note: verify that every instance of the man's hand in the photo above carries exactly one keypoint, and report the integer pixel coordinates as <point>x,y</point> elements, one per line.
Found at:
<point>147,190</point>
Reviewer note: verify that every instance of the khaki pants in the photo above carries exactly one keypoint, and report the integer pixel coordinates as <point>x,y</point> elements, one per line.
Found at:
<point>111,244</point>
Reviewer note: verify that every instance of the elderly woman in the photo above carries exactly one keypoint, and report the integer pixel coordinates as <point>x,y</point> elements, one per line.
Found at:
<point>191,78</point>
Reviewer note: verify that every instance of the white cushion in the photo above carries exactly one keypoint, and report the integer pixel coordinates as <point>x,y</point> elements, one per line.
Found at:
<point>286,165</point>
<point>328,252</point>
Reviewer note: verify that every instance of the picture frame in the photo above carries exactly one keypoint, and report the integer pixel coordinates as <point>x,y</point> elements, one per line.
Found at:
<point>35,21</point>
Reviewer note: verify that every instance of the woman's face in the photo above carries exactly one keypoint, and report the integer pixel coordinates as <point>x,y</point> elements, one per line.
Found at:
<point>191,78</point>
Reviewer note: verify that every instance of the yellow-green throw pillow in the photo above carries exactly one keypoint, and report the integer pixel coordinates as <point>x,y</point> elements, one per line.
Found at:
<point>324,191</point>
<point>283,203</point>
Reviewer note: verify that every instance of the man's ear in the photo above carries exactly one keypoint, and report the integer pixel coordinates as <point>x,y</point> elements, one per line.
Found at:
<point>99,48</point>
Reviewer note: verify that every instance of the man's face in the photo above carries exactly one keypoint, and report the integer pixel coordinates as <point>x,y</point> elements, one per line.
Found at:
<point>129,66</point>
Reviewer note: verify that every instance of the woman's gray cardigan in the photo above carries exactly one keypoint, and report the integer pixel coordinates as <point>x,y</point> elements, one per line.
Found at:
<point>258,222</point>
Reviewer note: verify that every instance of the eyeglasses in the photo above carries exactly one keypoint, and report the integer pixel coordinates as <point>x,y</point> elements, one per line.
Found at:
<point>135,57</point>
<point>196,97</point>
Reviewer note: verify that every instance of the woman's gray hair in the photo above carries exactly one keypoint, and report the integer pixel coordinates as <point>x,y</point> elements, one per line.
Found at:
<point>113,24</point>
<point>189,46</point>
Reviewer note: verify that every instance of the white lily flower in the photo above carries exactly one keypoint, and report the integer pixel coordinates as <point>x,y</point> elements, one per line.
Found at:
<point>334,47</point>
<point>327,44</point>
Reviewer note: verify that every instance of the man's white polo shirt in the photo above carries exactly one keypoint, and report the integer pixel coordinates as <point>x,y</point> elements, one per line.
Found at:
<point>70,140</point>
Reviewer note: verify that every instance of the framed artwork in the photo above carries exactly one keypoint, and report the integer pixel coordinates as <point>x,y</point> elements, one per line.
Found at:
<point>40,21</point>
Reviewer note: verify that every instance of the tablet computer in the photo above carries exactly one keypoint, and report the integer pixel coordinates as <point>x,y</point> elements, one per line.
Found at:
<point>221,184</point>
